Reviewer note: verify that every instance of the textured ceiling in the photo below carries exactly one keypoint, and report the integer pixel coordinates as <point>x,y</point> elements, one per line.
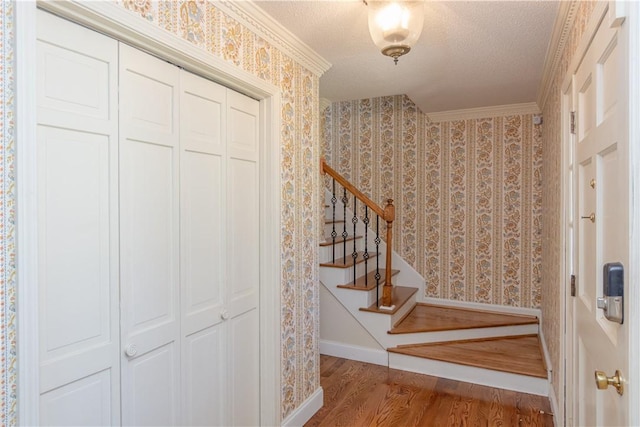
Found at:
<point>470,54</point>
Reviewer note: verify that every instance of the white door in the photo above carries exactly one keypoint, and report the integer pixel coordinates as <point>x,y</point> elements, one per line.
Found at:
<point>77,145</point>
<point>203,239</point>
<point>149,239</point>
<point>243,258</point>
<point>601,218</point>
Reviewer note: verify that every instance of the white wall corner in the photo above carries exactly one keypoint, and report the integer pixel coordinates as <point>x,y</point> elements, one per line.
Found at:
<point>354,352</point>
<point>304,412</point>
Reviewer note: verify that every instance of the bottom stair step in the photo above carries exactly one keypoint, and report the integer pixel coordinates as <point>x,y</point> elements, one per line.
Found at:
<point>399,296</point>
<point>517,354</point>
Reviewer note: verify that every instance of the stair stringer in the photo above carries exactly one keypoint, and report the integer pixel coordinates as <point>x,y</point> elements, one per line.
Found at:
<point>408,275</point>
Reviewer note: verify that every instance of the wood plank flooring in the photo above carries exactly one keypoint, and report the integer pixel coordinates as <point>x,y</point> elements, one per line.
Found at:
<point>516,354</point>
<point>431,318</point>
<point>362,394</point>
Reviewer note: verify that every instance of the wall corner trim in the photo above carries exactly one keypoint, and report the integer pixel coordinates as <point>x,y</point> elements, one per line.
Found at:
<point>484,112</point>
<point>306,410</point>
<point>559,36</point>
<point>324,104</point>
<point>253,17</point>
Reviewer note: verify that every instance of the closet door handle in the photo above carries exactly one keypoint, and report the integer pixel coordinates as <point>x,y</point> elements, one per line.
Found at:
<point>131,350</point>
<point>224,315</point>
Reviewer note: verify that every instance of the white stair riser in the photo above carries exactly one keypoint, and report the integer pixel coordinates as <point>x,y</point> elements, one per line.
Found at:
<point>470,374</point>
<point>332,276</point>
<point>326,252</point>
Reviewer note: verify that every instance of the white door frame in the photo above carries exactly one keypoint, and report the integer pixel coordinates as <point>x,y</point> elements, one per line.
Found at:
<point>115,21</point>
<point>629,12</point>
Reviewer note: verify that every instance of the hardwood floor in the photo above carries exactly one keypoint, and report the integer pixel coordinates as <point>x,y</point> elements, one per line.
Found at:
<point>362,394</point>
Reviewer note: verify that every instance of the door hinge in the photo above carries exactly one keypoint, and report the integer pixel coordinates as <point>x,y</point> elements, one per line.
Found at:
<point>573,285</point>
<point>573,123</point>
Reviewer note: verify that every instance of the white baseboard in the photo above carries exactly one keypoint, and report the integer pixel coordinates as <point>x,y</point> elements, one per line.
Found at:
<point>487,307</point>
<point>558,414</point>
<point>354,352</point>
<point>546,355</point>
<point>304,412</point>
<point>555,409</point>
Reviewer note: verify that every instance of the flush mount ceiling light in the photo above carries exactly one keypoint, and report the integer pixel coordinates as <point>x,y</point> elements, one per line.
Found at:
<point>395,26</point>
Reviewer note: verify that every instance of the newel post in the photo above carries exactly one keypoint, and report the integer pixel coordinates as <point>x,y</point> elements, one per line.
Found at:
<point>389,216</point>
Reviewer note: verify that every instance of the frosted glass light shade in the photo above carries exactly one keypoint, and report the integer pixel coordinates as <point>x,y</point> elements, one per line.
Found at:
<point>395,26</point>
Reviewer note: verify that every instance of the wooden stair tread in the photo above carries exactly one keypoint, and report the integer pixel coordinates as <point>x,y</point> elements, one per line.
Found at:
<point>516,354</point>
<point>347,261</point>
<point>371,281</point>
<point>432,318</point>
<point>329,241</point>
<point>399,296</point>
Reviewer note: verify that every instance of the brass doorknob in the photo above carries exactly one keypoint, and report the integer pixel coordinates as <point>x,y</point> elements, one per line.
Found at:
<point>603,381</point>
<point>591,217</point>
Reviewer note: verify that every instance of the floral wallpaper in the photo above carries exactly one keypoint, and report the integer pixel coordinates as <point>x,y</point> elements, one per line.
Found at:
<point>552,230</point>
<point>8,347</point>
<point>468,194</point>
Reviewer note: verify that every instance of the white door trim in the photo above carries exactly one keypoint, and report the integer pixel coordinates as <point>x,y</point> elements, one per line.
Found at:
<point>108,18</point>
<point>633,20</point>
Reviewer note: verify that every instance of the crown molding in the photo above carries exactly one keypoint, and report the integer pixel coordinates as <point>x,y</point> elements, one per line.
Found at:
<point>324,104</point>
<point>561,29</point>
<point>485,112</point>
<point>257,20</point>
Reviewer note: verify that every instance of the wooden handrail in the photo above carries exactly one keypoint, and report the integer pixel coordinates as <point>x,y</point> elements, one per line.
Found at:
<point>388,214</point>
<point>325,168</point>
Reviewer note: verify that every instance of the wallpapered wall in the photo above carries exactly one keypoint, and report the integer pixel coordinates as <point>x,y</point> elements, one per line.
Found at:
<point>468,193</point>
<point>206,26</point>
<point>8,366</point>
<point>552,231</point>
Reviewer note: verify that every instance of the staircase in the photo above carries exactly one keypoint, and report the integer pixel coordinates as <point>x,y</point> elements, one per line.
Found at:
<point>493,348</point>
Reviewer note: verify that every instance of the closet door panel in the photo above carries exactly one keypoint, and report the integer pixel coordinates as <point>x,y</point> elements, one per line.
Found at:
<point>203,218</point>
<point>244,370</point>
<point>243,204</point>
<point>77,149</point>
<point>149,211</point>
<point>203,214</point>
<point>243,258</point>
<point>202,250</point>
<point>205,371</point>
<point>84,402</point>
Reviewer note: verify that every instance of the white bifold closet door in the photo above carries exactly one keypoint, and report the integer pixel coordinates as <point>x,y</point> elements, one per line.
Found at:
<point>148,238</point>
<point>77,187</point>
<point>220,254</point>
